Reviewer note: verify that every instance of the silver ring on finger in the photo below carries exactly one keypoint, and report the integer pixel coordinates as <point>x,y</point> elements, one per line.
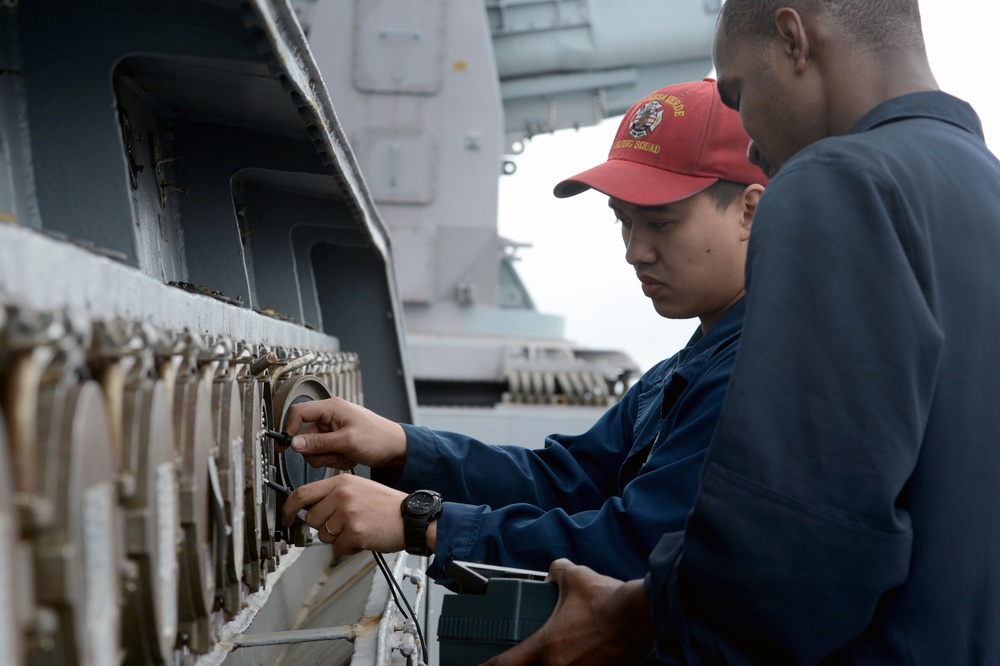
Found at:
<point>328,531</point>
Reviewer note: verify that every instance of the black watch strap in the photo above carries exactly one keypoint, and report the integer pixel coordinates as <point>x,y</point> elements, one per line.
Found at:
<point>419,508</point>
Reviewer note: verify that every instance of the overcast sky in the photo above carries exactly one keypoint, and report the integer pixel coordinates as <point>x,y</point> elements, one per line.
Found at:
<point>576,265</point>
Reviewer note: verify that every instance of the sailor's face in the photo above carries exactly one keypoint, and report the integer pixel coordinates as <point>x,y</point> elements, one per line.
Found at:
<point>689,255</point>
<point>774,104</point>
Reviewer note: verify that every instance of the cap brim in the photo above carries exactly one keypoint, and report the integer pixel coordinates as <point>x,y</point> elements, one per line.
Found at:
<point>634,183</point>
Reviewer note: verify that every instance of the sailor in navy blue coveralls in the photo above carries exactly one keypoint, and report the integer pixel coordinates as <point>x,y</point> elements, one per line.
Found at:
<point>849,508</point>
<point>602,498</point>
<point>684,197</point>
<point>866,528</point>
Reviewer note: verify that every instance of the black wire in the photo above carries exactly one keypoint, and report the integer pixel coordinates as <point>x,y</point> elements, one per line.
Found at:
<point>386,573</point>
<point>384,568</point>
<point>413,616</point>
<point>393,588</point>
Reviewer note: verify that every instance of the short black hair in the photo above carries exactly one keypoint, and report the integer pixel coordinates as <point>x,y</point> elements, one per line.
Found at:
<point>878,24</point>
<point>724,193</point>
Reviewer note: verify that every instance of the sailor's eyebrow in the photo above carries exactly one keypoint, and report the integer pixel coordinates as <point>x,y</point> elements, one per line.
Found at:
<point>664,208</point>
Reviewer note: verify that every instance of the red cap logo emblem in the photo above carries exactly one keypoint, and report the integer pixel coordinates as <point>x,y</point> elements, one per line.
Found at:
<point>646,119</point>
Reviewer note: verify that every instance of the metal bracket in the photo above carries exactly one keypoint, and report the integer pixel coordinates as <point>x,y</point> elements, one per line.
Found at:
<point>347,632</point>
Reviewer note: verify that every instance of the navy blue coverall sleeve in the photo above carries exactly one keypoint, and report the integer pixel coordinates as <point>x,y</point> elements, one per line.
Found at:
<point>797,533</point>
<point>524,508</point>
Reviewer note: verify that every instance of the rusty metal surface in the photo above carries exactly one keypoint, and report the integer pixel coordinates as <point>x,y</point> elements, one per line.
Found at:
<point>228,410</point>
<point>14,603</point>
<point>76,554</point>
<point>134,415</point>
<point>195,435</point>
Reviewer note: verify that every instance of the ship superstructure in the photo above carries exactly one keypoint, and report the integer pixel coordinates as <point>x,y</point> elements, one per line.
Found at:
<point>213,209</point>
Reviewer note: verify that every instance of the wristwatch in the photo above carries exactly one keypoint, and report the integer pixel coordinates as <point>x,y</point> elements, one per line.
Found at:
<point>419,509</point>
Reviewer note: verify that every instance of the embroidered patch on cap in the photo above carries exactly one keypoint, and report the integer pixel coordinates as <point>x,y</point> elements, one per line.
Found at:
<point>646,119</point>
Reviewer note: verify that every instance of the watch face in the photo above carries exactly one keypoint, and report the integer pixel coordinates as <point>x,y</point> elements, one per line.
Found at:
<point>421,503</point>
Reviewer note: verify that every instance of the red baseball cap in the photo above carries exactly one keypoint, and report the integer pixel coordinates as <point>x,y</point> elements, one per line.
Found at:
<point>672,144</point>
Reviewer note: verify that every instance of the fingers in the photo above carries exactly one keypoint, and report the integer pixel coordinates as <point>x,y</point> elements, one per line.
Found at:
<point>305,495</point>
<point>331,530</point>
<point>316,425</point>
<point>281,445</point>
<point>338,426</point>
<point>316,442</point>
<point>557,570</point>
<point>312,411</point>
<point>350,512</point>
<point>533,649</point>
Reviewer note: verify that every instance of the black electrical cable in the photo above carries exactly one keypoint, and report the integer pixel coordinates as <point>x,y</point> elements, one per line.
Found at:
<point>394,584</point>
<point>393,587</point>
<point>382,566</point>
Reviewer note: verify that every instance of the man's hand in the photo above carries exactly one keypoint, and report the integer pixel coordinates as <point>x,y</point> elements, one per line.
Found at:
<point>352,513</point>
<point>337,433</point>
<point>597,620</point>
